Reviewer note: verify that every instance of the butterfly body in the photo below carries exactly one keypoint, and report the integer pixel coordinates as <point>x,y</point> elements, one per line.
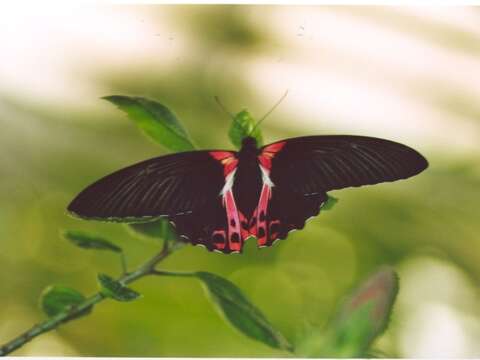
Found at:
<point>247,184</point>
<point>220,198</point>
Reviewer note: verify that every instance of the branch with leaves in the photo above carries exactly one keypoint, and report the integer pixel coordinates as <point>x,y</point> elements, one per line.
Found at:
<point>362,317</point>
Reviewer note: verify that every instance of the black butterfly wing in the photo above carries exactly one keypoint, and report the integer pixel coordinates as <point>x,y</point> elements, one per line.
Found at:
<point>288,211</point>
<point>184,187</point>
<point>303,169</point>
<point>314,164</point>
<point>164,186</point>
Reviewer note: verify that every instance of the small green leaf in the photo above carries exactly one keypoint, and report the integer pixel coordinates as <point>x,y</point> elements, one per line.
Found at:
<point>330,203</point>
<point>158,229</point>
<point>113,289</point>
<point>362,318</point>
<point>242,126</point>
<point>87,241</point>
<point>240,312</point>
<point>56,299</point>
<point>155,120</point>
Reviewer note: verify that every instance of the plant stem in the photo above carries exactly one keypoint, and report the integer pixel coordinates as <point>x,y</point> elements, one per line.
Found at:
<point>148,268</point>
<point>173,273</point>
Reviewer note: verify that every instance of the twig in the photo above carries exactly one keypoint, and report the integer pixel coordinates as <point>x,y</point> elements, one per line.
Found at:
<point>148,268</point>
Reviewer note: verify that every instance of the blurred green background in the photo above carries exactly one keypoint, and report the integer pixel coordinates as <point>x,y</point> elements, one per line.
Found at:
<point>409,74</point>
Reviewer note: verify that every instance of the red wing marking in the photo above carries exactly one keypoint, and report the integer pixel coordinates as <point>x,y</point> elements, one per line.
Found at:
<point>219,237</point>
<point>234,235</point>
<point>268,153</point>
<point>261,216</point>
<point>235,240</point>
<point>262,226</point>
<point>265,230</point>
<point>239,228</point>
<point>227,159</point>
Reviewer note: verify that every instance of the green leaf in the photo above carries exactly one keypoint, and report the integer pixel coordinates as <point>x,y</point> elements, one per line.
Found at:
<point>240,312</point>
<point>114,289</point>
<point>158,229</point>
<point>330,203</point>
<point>56,299</point>
<point>362,318</point>
<point>155,120</point>
<point>242,126</point>
<point>87,241</point>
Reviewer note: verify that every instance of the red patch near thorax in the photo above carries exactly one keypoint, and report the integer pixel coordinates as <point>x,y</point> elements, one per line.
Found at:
<point>268,153</point>
<point>227,159</point>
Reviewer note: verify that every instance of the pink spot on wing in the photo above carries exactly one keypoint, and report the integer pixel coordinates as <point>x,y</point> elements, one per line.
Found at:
<point>219,245</point>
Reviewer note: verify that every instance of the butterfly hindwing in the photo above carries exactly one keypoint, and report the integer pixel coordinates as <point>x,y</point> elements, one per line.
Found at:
<point>286,211</point>
<point>210,228</point>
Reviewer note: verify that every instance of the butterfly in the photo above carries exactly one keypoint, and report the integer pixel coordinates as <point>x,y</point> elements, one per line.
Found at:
<point>219,198</point>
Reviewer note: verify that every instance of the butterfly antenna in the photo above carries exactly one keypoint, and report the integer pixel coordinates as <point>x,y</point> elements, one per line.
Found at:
<point>217,99</point>
<point>269,111</point>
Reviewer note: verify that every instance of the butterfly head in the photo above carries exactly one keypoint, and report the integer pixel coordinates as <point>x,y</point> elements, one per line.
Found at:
<point>249,143</point>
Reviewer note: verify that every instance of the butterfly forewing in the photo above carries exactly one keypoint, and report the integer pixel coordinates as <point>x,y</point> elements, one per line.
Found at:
<point>165,186</point>
<point>316,164</point>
